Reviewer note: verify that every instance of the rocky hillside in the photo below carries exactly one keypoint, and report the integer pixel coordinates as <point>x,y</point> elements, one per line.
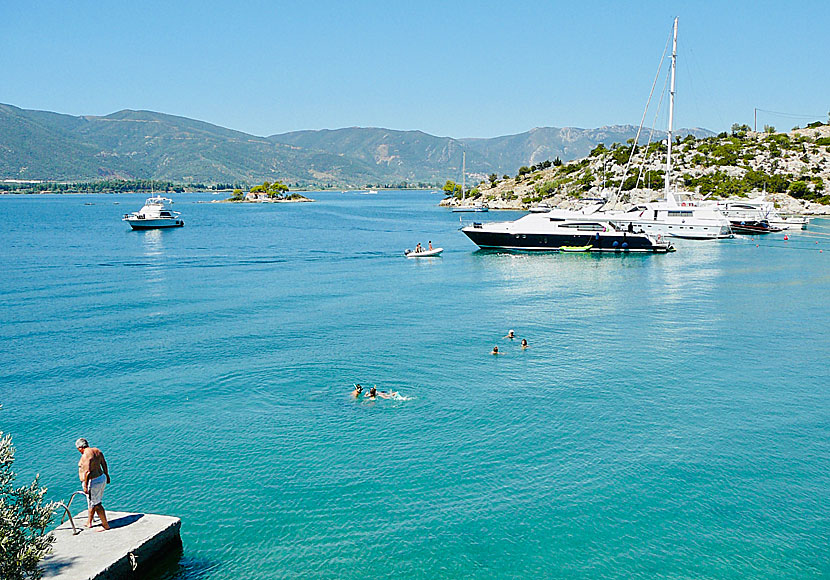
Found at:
<point>793,169</point>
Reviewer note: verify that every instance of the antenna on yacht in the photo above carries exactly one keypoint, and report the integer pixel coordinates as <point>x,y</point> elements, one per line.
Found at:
<point>669,196</point>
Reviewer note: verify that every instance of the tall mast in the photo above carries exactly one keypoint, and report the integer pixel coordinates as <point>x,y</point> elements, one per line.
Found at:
<point>671,111</point>
<point>463,173</point>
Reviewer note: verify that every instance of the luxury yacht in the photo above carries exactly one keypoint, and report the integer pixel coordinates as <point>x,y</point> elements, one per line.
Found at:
<point>154,214</point>
<point>676,220</point>
<point>541,231</point>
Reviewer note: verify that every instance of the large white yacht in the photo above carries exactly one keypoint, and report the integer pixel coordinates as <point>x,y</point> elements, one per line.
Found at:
<point>155,214</point>
<point>544,231</point>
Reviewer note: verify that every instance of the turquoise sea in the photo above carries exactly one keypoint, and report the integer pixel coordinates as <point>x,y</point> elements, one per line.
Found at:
<point>671,418</point>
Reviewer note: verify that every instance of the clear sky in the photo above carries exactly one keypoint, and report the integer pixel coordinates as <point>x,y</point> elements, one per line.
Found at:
<point>460,69</point>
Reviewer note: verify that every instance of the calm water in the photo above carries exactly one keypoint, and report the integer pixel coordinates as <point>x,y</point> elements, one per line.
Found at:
<point>670,420</point>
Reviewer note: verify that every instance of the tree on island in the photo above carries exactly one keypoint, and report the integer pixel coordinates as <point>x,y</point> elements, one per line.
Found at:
<point>274,190</point>
<point>451,188</point>
<point>23,521</point>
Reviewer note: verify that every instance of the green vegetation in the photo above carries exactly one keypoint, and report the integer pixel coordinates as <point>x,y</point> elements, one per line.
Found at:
<point>104,186</point>
<point>23,521</point>
<point>719,184</point>
<point>452,188</point>
<point>274,190</point>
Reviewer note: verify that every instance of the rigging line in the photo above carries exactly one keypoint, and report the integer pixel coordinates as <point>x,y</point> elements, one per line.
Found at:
<point>792,115</point>
<point>645,112</point>
<point>653,123</point>
<point>696,72</point>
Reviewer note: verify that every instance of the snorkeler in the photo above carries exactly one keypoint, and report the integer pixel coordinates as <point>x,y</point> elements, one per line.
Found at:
<point>371,394</point>
<point>389,395</point>
<point>357,390</point>
<point>510,334</point>
<point>495,350</point>
<point>524,344</point>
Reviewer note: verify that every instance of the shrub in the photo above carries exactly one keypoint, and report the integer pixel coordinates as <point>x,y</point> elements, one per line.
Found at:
<point>23,521</point>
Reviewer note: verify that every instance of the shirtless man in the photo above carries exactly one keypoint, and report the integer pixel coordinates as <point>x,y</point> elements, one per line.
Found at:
<point>94,475</point>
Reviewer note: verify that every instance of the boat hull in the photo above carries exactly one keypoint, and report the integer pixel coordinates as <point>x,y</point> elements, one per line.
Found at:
<point>154,224</point>
<point>554,242</point>
<point>753,227</point>
<point>425,254</point>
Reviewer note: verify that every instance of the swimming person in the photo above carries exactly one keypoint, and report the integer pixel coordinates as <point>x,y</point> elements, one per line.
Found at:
<point>357,390</point>
<point>389,395</point>
<point>371,394</point>
<point>510,334</point>
<point>524,343</point>
<point>495,350</point>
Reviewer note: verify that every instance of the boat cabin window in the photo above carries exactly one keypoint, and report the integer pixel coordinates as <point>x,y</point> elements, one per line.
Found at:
<point>586,227</point>
<point>680,213</point>
<point>556,219</point>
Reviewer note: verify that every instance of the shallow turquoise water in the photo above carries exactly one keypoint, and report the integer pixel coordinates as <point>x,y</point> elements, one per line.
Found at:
<point>670,420</point>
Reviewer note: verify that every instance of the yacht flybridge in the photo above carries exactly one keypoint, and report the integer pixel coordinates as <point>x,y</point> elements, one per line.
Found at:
<point>154,214</point>
<point>543,231</point>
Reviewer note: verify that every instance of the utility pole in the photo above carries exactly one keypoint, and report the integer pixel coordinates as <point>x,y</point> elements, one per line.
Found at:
<point>756,119</point>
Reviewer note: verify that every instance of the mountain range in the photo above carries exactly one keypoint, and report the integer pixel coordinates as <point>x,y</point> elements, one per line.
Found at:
<point>42,145</point>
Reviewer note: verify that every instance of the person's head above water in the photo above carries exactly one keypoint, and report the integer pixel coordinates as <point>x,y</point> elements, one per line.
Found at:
<point>495,350</point>
<point>510,333</point>
<point>524,342</point>
<point>373,391</point>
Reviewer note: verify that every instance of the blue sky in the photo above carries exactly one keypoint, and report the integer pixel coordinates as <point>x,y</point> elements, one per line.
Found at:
<point>462,69</point>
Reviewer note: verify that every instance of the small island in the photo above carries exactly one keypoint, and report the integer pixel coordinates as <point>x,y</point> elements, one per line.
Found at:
<point>276,192</point>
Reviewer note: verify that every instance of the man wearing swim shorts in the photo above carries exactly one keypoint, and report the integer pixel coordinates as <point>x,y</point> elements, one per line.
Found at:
<point>94,475</point>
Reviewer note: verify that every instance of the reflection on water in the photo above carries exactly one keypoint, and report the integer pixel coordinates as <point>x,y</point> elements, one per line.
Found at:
<point>155,275</point>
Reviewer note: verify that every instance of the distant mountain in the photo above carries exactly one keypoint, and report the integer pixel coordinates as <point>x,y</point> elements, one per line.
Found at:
<point>144,144</point>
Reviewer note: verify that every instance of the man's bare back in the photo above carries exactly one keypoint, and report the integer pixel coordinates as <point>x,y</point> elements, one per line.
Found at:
<point>92,462</point>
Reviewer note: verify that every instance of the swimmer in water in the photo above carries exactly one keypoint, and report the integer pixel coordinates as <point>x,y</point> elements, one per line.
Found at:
<point>357,390</point>
<point>510,335</point>
<point>495,350</point>
<point>524,344</point>
<point>371,394</point>
<point>389,395</point>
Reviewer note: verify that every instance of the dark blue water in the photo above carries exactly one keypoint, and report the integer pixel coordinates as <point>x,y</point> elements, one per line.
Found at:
<point>671,418</point>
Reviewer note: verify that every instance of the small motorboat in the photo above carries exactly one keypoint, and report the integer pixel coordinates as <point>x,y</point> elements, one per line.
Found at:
<point>470,208</point>
<point>423,254</point>
<point>576,248</point>
<point>155,214</point>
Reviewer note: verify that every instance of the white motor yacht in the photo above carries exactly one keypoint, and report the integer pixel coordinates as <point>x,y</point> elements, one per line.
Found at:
<point>155,214</point>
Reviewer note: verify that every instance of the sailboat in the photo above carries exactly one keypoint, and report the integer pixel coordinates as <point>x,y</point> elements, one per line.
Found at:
<point>672,217</point>
<point>462,207</point>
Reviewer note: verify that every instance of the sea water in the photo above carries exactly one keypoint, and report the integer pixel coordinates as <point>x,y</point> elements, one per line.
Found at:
<point>671,418</point>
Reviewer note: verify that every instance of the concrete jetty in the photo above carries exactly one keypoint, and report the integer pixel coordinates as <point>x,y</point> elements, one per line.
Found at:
<point>132,545</point>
